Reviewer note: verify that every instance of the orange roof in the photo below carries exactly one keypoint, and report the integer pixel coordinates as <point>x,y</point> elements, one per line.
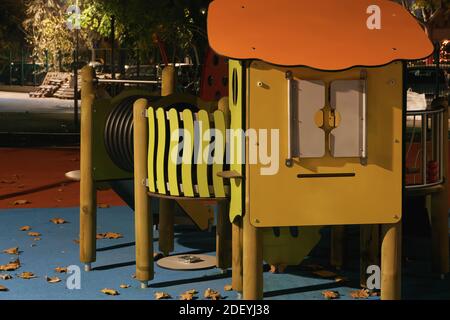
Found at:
<point>322,34</point>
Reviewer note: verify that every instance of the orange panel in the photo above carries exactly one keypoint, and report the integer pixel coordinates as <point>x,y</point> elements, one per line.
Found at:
<point>326,35</point>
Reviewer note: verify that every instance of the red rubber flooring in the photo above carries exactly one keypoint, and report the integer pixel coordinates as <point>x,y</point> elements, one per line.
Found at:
<point>36,176</point>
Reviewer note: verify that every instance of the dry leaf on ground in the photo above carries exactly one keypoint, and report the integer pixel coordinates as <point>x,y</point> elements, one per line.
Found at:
<point>124,286</point>
<point>37,239</point>
<point>325,274</point>
<point>58,221</point>
<point>162,295</point>
<point>109,235</point>
<point>103,206</point>
<point>52,279</point>
<point>14,251</point>
<point>340,279</point>
<point>11,266</point>
<point>212,294</point>
<point>61,269</point>
<point>20,202</point>
<point>25,228</point>
<point>34,234</point>
<point>27,275</point>
<point>3,288</point>
<point>76,241</point>
<point>331,294</point>
<point>110,292</point>
<point>228,287</point>
<point>5,276</point>
<point>188,295</point>
<point>360,294</point>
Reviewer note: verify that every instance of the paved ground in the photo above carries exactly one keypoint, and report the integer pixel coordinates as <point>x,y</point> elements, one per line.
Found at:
<point>115,262</point>
<point>37,175</point>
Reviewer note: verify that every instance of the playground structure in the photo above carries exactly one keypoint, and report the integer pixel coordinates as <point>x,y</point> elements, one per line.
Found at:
<point>340,126</point>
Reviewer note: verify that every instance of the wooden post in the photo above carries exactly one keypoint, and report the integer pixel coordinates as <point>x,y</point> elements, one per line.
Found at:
<point>168,81</point>
<point>236,267</point>
<point>253,261</point>
<point>337,246</point>
<point>88,192</point>
<point>166,226</point>
<point>439,215</point>
<point>223,237</point>
<point>166,206</point>
<point>143,223</point>
<point>391,259</point>
<point>369,250</point>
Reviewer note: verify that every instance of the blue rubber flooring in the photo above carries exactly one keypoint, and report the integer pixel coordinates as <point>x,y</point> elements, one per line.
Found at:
<point>115,263</point>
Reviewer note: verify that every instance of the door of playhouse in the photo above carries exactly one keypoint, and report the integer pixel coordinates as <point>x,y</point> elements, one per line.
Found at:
<point>340,145</point>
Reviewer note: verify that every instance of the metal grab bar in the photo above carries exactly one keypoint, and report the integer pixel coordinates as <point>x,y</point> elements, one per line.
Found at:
<point>127,81</point>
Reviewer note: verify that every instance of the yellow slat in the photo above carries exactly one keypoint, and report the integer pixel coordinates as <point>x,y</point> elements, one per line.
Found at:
<point>202,163</point>
<point>151,149</point>
<point>173,153</point>
<point>160,163</point>
<point>219,151</point>
<point>188,151</point>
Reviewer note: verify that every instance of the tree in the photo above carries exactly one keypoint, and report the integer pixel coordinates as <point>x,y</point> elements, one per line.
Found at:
<point>12,35</point>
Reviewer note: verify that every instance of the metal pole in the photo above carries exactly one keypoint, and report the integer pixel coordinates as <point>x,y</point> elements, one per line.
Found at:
<point>34,71</point>
<point>46,60</point>
<point>436,61</point>
<point>10,67</point>
<point>22,66</point>
<point>75,76</point>
<point>59,61</point>
<point>113,27</point>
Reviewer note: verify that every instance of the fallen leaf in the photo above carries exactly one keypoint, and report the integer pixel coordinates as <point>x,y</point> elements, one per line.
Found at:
<point>325,274</point>
<point>162,295</point>
<point>14,251</point>
<point>228,287</point>
<point>124,286</point>
<point>5,276</point>
<point>37,239</point>
<point>331,294</point>
<point>110,292</point>
<point>27,275</point>
<point>192,291</point>
<point>273,268</point>
<point>211,294</point>
<point>186,296</point>
<point>103,206</point>
<point>3,288</point>
<point>20,202</point>
<point>109,235</point>
<point>52,279</point>
<point>11,266</point>
<point>278,268</point>
<point>340,279</point>
<point>34,234</point>
<point>58,221</point>
<point>61,269</point>
<point>25,228</point>
<point>360,294</point>
<point>76,241</point>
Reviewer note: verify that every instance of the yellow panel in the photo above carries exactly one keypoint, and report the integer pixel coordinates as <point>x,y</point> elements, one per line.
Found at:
<point>285,249</point>
<point>172,160</point>
<point>236,108</point>
<point>202,165</point>
<point>219,152</point>
<point>373,195</point>
<point>188,151</point>
<point>160,154</point>
<point>151,149</point>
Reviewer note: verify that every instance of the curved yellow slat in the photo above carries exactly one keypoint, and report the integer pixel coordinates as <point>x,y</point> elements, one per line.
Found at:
<point>173,152</point>
<point>151,149</point>
<point>202,163</point>
<point>219,152</point>
<point>188,151</point>
<point>160,154</point>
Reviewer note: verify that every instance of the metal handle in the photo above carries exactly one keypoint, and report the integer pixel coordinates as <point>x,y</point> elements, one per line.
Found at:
<point>289,162</point>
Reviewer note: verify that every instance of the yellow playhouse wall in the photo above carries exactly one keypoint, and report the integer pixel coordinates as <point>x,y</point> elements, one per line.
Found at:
<point>372,196</point>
